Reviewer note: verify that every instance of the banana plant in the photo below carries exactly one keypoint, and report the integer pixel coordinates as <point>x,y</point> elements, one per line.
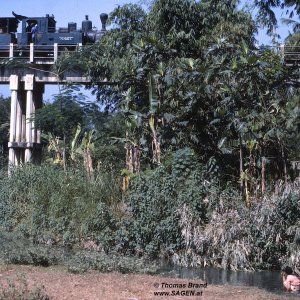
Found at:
<point>56,145</point>
<point>131,141</point>
<point>82,145</point>
<point>153,109</point>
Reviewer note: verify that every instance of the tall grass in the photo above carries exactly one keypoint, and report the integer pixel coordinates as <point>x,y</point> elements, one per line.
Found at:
<point>49,205</point>
<point>265,236</point>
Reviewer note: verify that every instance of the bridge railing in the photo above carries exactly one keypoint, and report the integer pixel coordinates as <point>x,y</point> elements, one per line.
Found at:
<point>291,54</point>
<point>43,54</point>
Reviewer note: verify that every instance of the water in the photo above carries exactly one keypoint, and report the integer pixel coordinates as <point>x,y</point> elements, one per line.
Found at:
<point>267,280</point>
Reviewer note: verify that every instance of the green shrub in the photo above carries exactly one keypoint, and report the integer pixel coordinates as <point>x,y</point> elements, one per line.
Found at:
<point>82,261</point>
<point>48,205</point>
<point>152,226</point>
<point>177,211</point>
<point>15,249</point>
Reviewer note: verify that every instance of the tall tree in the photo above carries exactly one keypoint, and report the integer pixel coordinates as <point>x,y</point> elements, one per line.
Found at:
<point>180,82</point>
<point>266,11</point>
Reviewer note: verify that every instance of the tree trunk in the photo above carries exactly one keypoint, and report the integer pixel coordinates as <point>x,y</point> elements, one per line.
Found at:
<point>136,159</point>
<point>88,163</point>
<point>263,175</point>
<point>241,167</point>
<point>64,154</point>
<point>131,162</point>
<point>284,165</point>
<point>247,196</point>
<point>156,150</point>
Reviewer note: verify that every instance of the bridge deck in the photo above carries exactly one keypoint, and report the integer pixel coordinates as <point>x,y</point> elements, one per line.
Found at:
<point>38,61</point>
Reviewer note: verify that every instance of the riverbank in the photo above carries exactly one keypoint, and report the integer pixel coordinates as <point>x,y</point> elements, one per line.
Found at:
<point>61,285</point>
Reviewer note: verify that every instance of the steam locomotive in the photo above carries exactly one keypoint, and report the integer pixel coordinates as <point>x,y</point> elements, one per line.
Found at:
<point>47,34</point>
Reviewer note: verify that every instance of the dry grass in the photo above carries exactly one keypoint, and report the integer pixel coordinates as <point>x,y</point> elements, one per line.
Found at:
<point>59,285</point>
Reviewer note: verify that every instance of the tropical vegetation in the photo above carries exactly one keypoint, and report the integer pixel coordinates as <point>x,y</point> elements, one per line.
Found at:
<point>190,152</point>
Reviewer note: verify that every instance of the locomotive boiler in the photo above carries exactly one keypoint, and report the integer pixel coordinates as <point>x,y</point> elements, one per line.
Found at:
<point>46,33</point>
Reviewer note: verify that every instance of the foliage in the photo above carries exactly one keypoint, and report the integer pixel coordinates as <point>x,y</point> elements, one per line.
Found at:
<point>292,41</point>
<point>156,78</point>
<point>108,152</point>
<point>87,260</point>
<point>46,203</point>
<point>155,200</point>
<point>61,116</point>
<point>266,11</point>
<point>179,82</point>
<point>199,111</point>
<point>4,126</point>
<point>177,211</point>
<point>77,133</point>
<point>16,249</point>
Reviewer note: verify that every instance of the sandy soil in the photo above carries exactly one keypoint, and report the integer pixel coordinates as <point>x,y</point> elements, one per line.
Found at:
<point>59,285</point>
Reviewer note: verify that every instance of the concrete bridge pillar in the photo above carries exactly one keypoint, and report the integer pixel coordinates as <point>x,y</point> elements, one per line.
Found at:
<point>29,85</point>
<point>24,141</point>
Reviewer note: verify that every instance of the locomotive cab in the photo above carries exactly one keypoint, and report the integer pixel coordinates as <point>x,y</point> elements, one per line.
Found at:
<point>45,26</point>
<point>8,29</point>
<point>46,34</point>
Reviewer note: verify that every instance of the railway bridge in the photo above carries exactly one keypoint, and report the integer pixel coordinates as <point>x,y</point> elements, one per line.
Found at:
<point>27,81</point>
<point>27,73</point>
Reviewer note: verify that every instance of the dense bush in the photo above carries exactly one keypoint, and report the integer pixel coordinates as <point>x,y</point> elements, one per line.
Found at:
<point>85,260</point>
<point>51,206</point>
<point>178,211</point>
<point>15,249</point>
<point>155,200</point>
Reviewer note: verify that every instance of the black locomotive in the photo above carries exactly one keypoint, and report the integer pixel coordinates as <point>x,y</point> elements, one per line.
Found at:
<point>46,33</point>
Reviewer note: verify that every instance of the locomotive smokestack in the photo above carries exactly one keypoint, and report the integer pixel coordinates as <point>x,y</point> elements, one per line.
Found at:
<point>103,18</point>
<point>87,24</point>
